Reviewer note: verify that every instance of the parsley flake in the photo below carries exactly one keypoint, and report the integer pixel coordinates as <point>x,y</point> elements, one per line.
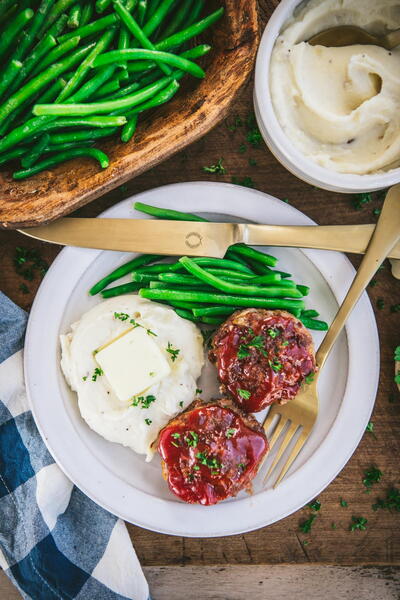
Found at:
<point>245,394</point>
<point>121,316</point>
<point>306,525</point>
<point>96,373</point>
<point>275,365</point>
<point>273,333</point>
<point>84,377</point>
<point>370,429</point>
<point>148,421</point>
<point>193,440</point>
<point>360,200</point>
<point>380,304</point>
<point>173,352</point>
<point>397,353</point>
<point>371,476</point>
<point>314,505</point>
<point>358,523</point>
<point>198,391</point>
<point>150,332</point>
<point>343,503</point>
<point>218,168</point>
<point>176,435</point>
<point>181,403</point>
<point>310,377</point>
<point>391,502</point>
<point>143,401</point>
<point>230,432</point>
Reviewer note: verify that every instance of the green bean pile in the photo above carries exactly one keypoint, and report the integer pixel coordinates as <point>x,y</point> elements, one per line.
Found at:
<point>207,290</point>
<point>75,71</point>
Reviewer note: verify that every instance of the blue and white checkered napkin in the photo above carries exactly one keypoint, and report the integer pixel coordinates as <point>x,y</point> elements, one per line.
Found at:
<point>55,543</point>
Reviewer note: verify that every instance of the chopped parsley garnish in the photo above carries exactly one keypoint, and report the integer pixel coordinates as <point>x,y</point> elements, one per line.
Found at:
<point>237,122</point>
<point>395,308</point>
<point>27,262</point>
<point>148,421</point>
<point>397,353</point>
<point>245,394</point>
<point>243,351</point>
<point>211,463</point>
<point>175,435</point>
<point>253,134</point>
<point>275,365</point>
<point>245,182</point>
<point>343,503</point>
<point>173,352</point>
<point>273,333</point>
<point>358,523</point>
<point>193,440</point>
<point>305,542</point>
<point>285,343</point>
<point>134,323</point>
<point>84,377</point>
<point>151,373</point>
<point>242,466</point>
<point>371,476</point>
<point>196,468</point>
<point>175,444</point>
<point>370,429</point>
<point>181,403</point>
<point>143,401</point>
<point>121,316</point>
<point>314,505</point>
<point>306,525</point>
<point>219,168</point>
<point>380,303</point>
<point>198,391</point>
<point>376,212</point>
<point>373,283</point>
<point>23,288</point>
<point>230,432</point>
<point>360,200</point>
<point>391,502</point>
<point>257,342</point>
<point>150,332</point>
<point>96,373</point>
<point>309,378</point>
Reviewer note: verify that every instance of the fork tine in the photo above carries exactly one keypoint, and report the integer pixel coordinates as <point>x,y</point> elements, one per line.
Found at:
<point>295,451</point>
<point>285,442</point>
<point>277,432</point>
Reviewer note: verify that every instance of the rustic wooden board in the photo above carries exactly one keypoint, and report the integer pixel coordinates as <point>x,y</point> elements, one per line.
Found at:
<point>281,542</point>
<point>258,583</point>
<point>189,116</point>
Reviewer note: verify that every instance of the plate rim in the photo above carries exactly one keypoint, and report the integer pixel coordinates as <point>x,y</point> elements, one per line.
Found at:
<point>188,511</point>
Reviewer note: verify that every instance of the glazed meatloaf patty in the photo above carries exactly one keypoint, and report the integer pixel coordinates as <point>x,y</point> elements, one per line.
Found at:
<point>211,451</point>
<point>262,356</point>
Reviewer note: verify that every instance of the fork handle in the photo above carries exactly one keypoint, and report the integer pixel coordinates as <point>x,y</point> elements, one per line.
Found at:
<point>385,236</point>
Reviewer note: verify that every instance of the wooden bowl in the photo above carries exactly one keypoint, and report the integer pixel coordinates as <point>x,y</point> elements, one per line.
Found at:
<point>192,113</point>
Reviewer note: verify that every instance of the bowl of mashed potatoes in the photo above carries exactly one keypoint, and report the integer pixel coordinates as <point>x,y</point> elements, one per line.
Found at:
<point>331,115</point>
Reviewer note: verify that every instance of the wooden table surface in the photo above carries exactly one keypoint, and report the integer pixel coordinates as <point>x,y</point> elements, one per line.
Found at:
<point>281,543</point>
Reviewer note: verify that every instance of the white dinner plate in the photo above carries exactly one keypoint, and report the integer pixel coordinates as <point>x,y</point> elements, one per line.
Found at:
<point>120,480</point>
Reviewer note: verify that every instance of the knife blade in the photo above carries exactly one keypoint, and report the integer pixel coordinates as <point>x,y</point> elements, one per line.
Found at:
<point>199,238</point>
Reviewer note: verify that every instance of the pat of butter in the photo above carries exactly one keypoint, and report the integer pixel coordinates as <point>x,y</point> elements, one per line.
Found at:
<point>132,363</point>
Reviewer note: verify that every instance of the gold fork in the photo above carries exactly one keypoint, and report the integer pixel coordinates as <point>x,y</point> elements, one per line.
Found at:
<point>303,410</point>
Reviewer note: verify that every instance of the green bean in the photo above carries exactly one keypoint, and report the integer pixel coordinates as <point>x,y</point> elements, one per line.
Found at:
<point>137,31</point>
<point>87,12</point>
<point>42,48</point>
<point>179,18</point>
<point>56,53</point>
<point>129,128</point>
<point>314,324</point>
<point>58,26</point>
<point>138,261</point>
<point>186,314</point>
<point>118,290</point>
<point>230,274</point>
<point>264,278</point>
<point>76,136</point>
<point>123,42</point>
<point>195,12</point>
<point>86,64</point>
<point>233,288</point>
<point>107,88</point>
<point>176,278</point>
<point>192,31</point>
<point>207,262</point>
<point>248,252</point>
<point>184,305</point>
<point>152,7</point>
<point>12,154</point>
<point>142,66</point>
<point>166,213</point>
<point>309,313</point>
<point>91,28</point>
<point>12,30</point>
<point>164,96</point>
<point>141,11</point>
<point>235,257</point>
<point>59,7</point>
<point>304,289</point>
<point>157,18</point>
<point>294,306</point>
<point>40,81</point>
<point>101,107</point>
<point>102,5</point>
<point>143,277</point>
<point>125,91</point>
<point>74,16</point>
<point>163,285</point>
<point>67,146</point>
<point>9,74</point>
<point>207,311</point>
<point>92,85</point>
<point>36,151</point>
<point>183,64</point>
<point>5,6</point>
<point>211,321</point>
<point>155,269</point>
<point>27,37</point>
<point>62,157</point>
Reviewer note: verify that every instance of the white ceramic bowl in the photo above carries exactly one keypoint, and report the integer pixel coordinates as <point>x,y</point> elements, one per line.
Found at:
<point>276,139</point>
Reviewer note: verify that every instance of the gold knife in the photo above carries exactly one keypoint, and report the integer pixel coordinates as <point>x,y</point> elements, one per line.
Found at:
<point>199,238</point>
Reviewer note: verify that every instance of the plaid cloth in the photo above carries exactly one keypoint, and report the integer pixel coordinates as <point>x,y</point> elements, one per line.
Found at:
<point>55,543</point>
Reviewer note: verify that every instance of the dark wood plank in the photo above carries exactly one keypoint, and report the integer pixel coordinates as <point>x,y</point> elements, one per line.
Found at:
<point>281,542</point>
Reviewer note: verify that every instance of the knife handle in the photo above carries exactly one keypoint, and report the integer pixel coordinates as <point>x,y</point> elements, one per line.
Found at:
<point>342,238</point>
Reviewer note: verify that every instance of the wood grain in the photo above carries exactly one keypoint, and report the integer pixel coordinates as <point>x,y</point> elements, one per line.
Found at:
<point>258,583</point>
<point>281,543</point>
<point>188,117</point>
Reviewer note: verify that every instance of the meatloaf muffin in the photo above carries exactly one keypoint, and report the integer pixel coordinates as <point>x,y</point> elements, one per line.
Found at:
<point>211,451</point>
<point>262,356</point>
